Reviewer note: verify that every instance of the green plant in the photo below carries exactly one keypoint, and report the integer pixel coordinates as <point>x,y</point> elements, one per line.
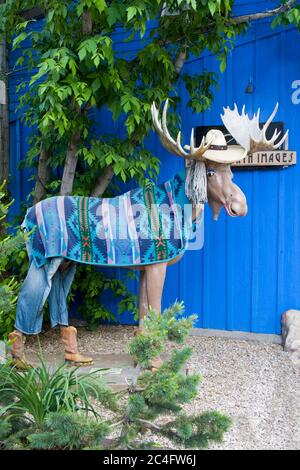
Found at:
<point>166,390</point>
<point>62,410</point>
<point>157,329</point>
<point>69,431</point>
<point>91,283</point>
<point>12,251</point>
<point>14,433</point>
<point>39,391</point>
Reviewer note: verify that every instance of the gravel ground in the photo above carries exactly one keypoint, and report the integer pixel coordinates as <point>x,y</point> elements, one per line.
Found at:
<point>257,384</point>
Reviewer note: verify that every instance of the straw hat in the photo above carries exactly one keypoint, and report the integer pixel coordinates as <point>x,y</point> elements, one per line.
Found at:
<point>219,151</point>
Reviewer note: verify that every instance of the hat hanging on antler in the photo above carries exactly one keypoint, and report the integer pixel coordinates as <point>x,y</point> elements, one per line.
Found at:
<point>218,150</point>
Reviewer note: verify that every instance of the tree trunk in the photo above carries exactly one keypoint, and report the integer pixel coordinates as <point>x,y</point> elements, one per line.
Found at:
<point>103,182</point>
<point>71,156</point>
<point>87,23</point>
<point>70,166</point>
<point>180,60</point>
<point>43,176</point>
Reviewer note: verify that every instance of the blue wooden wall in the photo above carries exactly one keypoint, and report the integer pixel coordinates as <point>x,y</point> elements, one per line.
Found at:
<point>248,272</point>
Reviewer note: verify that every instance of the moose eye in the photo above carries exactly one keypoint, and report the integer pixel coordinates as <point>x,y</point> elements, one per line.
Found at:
<point>210,172</point>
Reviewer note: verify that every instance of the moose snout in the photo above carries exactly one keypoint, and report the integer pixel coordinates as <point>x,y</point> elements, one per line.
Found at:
<point>236,203</point>
<point>238,208</point>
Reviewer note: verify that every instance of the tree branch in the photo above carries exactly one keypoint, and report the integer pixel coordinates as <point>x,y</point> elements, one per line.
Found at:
<point>180,60</point>
<point>266,14</point>
<point>87,23</point>
<point>70,166</point>
<point>43,176</point>
<point>103,182</point>
<point>72,151</point>
<point>149,424</point>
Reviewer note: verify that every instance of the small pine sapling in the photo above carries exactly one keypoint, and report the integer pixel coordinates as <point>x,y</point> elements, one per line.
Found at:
<point>61,409</point>
<point>165,391</point>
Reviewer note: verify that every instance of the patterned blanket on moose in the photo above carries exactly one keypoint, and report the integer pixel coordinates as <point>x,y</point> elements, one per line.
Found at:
<point>143,226</point>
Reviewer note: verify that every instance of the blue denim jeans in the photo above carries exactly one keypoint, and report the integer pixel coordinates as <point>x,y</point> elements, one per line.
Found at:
<point>42,283</point>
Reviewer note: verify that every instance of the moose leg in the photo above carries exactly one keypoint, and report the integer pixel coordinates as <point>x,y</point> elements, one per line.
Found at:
<point>61,284</point>
<point>143,299</point>
<point>155,279</point>
<point>59,315</point>
<point>69,340</point>
<point>17,340</point>
<point>151,286</point>
<point>32,297</point>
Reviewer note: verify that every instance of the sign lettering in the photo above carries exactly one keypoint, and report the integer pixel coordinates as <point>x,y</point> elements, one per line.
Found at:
<point>269,158</point>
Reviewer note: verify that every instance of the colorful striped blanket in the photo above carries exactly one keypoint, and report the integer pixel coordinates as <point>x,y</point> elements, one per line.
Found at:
<point>143,226</point>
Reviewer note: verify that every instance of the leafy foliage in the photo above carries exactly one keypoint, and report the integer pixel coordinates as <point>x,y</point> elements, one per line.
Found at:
<point>39,391</point>
<point>68,431</point>
<point>64,410</point>
<point>77,69</point>
<point>159,328</point>
<point>12,253</point>
<point>14,432</point>
<point>92,284</point>
<point>197,431</point>
<point>288,17</point>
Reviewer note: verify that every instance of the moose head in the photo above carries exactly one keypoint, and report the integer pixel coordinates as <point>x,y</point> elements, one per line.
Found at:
<point>209,176</point>
<point>211,161</point>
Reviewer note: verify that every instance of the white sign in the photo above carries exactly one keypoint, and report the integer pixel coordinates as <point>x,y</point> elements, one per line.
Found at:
<point>269,158</point>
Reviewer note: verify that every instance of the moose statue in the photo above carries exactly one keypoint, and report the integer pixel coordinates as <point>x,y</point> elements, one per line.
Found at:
<point>146,228</point>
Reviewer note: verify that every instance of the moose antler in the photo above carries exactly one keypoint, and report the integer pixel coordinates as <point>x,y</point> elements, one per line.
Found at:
<point>247,132</point>
<point>195,153</point>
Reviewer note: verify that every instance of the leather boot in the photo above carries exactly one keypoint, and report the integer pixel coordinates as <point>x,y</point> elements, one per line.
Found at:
<point>17,350</point>
<point>69,339</point>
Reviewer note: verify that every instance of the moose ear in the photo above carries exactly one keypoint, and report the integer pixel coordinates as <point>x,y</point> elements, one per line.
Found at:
<point>196,183</point>
<point>248,133</point>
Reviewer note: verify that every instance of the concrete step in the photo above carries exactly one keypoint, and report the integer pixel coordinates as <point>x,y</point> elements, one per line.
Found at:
<point>119,369</point>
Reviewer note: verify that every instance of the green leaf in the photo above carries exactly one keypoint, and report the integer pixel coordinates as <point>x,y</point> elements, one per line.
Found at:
<point>131,12</point>
<point>20,38</point>
<point>97,60</point>
<point>123,176</point>
<point>113,16</point>
<point>73,66</point>
<point>96,84</point>
<point>193,4</point>
<point>212,6</point>
<point>50,15</point>
<point>82,53</point>
<point>100,5</point>
<point>223,65</point>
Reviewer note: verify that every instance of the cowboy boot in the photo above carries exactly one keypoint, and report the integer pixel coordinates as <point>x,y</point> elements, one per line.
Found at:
<point>17,350</point>
<point>72,355</point>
